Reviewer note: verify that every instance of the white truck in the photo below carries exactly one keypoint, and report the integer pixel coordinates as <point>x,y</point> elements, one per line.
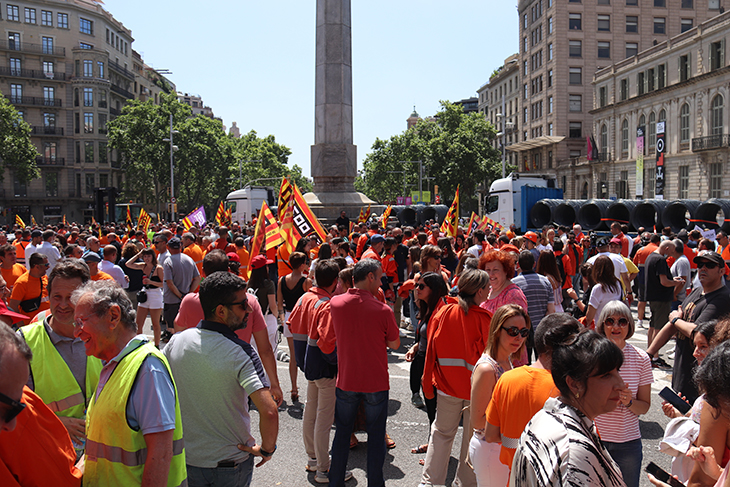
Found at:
<point>246,202</point>
<point>511,199</point>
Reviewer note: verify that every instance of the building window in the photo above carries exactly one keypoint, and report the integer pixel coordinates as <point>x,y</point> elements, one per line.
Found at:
<point>684,124</point>
<point>524,116</point>
<point>716,115</point>
<point>661,76</point>
<point>604,49</point>
<point>652,130</point>
<point>687,4</point>
<point>604,138</point>
<point>650,182</point>
<point>90,183</point>
<point>550,78</point>
<point>624,89</point>
<point>576,76</point>
<point>550,158</point>
<point>650,80</point>
<point>632,49</point>
<point>49,95</point>
<point>632,2</point>
<point>100,65</point>
<point>550,51</point>
<point>30,15</point>
<point>625,139</point>
<point>88,123</point>
<point>684,68</point>
<point>49,121</point>
<point>19,188</point>
<point>602,96</point>
<point>660,25</point>
<point>14,41</point>
<point>575,130</point>
<point>574,49</point>
<point>641,83</point>
<point>524,21</point>
<point>622,185</point>
<point>574,22</point>
<point>604,23</point>
<point>15,66</point>
<point>47,45</point>
<point>16,94</point>
<point>13,13</point>
<point>550,104</point>
<point>103,180</point>
<point>102,98</point>
<point>47,18</point>
<point>683,182</point>
<point>89,152</point>
<point>88,69</point>
<point>88,97</point>
<point>632,23</point>
<point>83,45</point>
<point>86,26</point>
<point>716,180</point>
<point>660,3</point>
<point>62,21</point>
<point>103,154</point>
<point>524,45</point>
<point>525,91</point>
<point>550,132</point>
<point>602,187</point>
<point>102,123</point>
<point>48,69</point>
<point>550,25</point>
<point>713,4</point>
<point>575,103</point>
<point>524,67</point>
<point>717,55</point>
<point>51,184</point>
<point>686,24</point>
<point>604,2</point>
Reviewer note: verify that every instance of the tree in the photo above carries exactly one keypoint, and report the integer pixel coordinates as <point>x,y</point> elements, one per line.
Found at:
<point>455,148</point>
<point>17,152</point>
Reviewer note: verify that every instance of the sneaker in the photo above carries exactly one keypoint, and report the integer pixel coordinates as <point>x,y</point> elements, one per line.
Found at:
<point>166,335</point>
<point>311,465</point>
<point>417,401</point>
<point>639,323</point>
<point>659,363</point>
<point>323,478</point>
<point>670,355</point>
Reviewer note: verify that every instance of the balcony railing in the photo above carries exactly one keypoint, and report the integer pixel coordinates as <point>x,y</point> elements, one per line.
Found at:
<point>40,130</point>
<point>710,142</point>
<point>121,69</point>
<point>34,100</point>
<point>32,73</point>
<point>122,91</point>
<point>12,45</point>
<point>114,111</point>
<point>50,161</point>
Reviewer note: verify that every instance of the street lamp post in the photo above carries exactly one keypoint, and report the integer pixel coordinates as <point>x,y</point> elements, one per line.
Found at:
<point>173,148</point>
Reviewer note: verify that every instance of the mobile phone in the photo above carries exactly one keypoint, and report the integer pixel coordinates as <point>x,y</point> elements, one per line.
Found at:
<point>673,398</point>
<point>663,475</point>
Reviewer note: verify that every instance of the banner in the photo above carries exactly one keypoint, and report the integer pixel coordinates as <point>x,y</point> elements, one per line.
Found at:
<point>451,223</point>
<point>363,215</point>
<point>659,193</point>
<point>473,223</point>
<point>305,221</point>
<point>287,231</point>
<point>195,216</point>
<point>273,235</point>
<point>640,162</point>
<point>220,214</point>
<point>491,225</point>
<point>19,221</point>
<point>386,215</point>
<point>143,222</point>
<point>285,191</point>
<point>258,244</point>
<point>227,217</point>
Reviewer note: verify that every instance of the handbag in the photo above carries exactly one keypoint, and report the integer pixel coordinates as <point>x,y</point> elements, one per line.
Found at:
<point>142,296</point>
<point>30,305</point>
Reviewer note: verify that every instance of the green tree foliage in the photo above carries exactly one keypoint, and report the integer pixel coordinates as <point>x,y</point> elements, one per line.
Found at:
<point>455,149</point>
<point>17,152</point>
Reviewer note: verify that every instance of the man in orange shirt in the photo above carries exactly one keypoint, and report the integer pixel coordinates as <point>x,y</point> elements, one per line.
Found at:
<point>617,233</point>
<point>9,266</point>
<point>31,285</point>
<point>243,255</point>
<point>20,245</point>
<point>364,239</point>
<point>191,249</point>
<point>92,260</point>
<point>377,242</point>
<point>223,241</point>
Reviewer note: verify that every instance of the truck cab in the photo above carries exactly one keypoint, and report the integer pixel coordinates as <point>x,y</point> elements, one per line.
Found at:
<point>246,202</point>
<point>510,199</point>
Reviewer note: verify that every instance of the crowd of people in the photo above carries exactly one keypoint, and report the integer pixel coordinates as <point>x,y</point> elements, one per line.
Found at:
<point>522,340</point>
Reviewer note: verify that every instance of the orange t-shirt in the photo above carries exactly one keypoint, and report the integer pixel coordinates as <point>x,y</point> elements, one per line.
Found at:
<point>195,253</point>
<point>101,276</point>
<point>282,261</point>
<point>11,275</point>
<point>28,287</point>
<point>244,258</point>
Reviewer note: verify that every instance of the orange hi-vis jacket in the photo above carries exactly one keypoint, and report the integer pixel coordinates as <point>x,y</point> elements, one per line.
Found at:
<point>456,340</point>
<point>314,337</point>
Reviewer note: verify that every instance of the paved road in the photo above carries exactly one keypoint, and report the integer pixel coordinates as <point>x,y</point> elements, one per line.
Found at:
<point>408,426</point>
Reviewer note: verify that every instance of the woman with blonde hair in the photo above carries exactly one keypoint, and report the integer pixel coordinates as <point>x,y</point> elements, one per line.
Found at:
<point>507,337</point>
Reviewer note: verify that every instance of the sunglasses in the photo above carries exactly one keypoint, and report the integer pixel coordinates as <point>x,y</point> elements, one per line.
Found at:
<point>420,286</point>
<point>622,322</point>
<point>513,331</point>
<point>243,304</point>
<point>15,407</point>
<point>709,265</point>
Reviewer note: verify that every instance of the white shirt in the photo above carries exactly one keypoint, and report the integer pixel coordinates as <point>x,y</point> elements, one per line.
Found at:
<point>115,271</point>
<point>619,266</point>
<point>476,250</point>
<point>29,250</point>
<point>50,251</point>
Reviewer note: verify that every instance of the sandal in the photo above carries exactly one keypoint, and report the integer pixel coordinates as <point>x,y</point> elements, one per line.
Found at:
<point>389,443</point>
<point>420,449</point>
<point>353,441</point>
<point>294,395</point>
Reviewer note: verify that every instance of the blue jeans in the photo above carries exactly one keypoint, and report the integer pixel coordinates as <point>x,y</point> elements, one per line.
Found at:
<point>376,413</point>
<point>238,476</point>
<point>628,456</point>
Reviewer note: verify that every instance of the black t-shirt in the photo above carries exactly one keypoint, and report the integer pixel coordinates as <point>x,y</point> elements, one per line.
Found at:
<point>696,308</point>
<point>401,260</point>
<point>344,221</point>
<point>655,266</point>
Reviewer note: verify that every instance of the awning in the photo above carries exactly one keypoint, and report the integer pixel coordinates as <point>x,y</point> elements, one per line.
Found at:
<point>535,143</point>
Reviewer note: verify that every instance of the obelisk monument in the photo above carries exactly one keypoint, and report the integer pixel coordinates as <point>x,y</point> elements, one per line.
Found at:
<point>334,156</point>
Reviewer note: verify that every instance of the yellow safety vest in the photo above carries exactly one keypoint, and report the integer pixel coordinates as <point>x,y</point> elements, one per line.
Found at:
<point>52,378</point>
<point>115,453</point>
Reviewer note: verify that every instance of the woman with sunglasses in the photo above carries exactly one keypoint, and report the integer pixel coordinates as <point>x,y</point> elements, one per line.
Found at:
<point>620,427</point>
<point>507,336</point>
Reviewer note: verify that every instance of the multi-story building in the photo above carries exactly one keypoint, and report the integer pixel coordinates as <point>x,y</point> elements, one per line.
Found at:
<point>562,43</point>
<point>682,83</point>
<point>499,101</point>
<point>149,82</point>
<point>196,103</point>
<point>65,65</point>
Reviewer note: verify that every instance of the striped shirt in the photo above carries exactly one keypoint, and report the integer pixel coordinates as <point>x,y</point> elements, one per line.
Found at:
<point>621,425</point>
<point>538,292</point>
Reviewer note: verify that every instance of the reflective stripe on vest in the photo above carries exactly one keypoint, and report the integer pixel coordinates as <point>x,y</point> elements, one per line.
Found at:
<point>510,443</point>
<point>455,362</point>
<point>312,342</point>
<point>300,337</point>
<point>116,454</point>
<point>67,403</point>
<point>320,302</point>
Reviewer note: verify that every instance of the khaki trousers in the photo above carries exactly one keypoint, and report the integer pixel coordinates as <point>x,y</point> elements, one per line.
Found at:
<point>319,415</point>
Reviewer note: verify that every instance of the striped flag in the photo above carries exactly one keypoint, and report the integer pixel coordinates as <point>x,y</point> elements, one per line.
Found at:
<point>227,216</point>
<point>130,225</point>
<point>64,220</point>
<point>195,216</point>
<point>305,220</point>
<point>143,223</point>
<point>19,221</point>
<point>451,223</point>
<point>258,244</point>
<point>32,221</point>
<point>489,224</point>
<point>386,215</point>
<point>220,214</point>
<point>273,235</point>
<point>285,191</point>
<point>363,215</point>
<point>287,230</point>
<point>473,223</point>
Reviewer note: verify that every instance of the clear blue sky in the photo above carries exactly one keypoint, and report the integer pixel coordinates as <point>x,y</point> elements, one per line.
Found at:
<point>253,61</point>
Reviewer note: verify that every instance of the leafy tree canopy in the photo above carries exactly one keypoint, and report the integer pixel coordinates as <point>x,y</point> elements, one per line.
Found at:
<point>455,148</point>
<point>17,152</point>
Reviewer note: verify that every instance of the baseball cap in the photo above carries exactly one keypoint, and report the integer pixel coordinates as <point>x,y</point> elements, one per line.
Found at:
<point>260,261</point>
<point>709,255</point>
<point>36,233</point>
<point>616,240</point>
<point>377,238</point>
<point>90,256</point>
<point>233,257</point>
<point>602,241</point>
<point>174,243</point>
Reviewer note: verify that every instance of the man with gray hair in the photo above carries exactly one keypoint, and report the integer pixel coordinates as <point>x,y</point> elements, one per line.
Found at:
<point>135,409</point>
<point>680,268</point>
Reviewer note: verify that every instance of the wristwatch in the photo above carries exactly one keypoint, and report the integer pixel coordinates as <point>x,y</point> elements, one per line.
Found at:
<point>265,453</point>
<point>674,320</point>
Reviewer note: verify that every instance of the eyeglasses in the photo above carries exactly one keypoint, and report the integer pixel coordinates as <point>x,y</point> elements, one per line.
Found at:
<point>709,265</point>
<point>437,257</point>
<point>420,286</point>
<point>513,331</point>
<point>243,304</point>
<point>15,407</point>
<point>80,322</point>
<point>622,322</point>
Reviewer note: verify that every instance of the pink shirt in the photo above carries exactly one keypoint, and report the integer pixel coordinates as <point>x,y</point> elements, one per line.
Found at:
<point>362,327</point>
<point>509,295</point>
<point>191,313</point>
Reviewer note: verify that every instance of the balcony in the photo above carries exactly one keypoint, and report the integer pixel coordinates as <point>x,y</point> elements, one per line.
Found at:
<point>32,73</point>
<point>40,130</point>
<point>114,111</point>
<point>34,101</point>
<point>50,161</point>
<point>121,70</point>
<point>710,142</point>
<point>12,45</point>
<point>122,91</point>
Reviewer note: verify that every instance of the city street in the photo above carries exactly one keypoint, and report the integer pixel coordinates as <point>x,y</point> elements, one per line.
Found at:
<point>408,426</point>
